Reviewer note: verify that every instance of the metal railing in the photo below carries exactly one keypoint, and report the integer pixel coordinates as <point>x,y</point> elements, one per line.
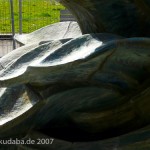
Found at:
<point>24,16</point>
<point>12,23</point>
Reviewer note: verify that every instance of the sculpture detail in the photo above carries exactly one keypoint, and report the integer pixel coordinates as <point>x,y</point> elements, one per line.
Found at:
<point>92,90</point>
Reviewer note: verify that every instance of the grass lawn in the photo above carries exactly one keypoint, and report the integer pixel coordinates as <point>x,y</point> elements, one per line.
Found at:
<point>35,14</point>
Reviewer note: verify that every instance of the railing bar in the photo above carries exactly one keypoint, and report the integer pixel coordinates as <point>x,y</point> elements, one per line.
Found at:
<point>12,23</point>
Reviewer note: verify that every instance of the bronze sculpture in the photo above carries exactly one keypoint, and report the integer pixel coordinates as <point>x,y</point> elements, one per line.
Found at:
<point>92,90</point>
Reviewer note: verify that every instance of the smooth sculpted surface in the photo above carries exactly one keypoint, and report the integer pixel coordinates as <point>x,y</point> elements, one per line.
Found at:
<point>56,31</point>
<point>128,18</point>
<point>91,92</point>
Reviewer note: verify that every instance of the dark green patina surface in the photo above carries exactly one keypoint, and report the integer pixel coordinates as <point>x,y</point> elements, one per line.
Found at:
<point>128,18</point>
<point>91,92</point>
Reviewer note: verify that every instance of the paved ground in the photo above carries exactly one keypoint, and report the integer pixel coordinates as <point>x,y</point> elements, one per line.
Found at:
<point>6,46</point>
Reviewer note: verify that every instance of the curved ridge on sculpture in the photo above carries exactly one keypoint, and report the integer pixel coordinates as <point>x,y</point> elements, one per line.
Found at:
<point>91,91</point>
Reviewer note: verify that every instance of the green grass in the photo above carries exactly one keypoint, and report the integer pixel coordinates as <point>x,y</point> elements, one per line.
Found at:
<point>35,13</point>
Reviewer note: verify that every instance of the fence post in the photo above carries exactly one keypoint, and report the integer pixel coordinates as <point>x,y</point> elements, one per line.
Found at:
<point>20,16</point>
<point>12,23</point>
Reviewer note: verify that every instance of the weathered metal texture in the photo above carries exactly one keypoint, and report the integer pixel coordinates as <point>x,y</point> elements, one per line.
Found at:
<point>93,90</point>
<point>128,18</point>
<point>83,86</point>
